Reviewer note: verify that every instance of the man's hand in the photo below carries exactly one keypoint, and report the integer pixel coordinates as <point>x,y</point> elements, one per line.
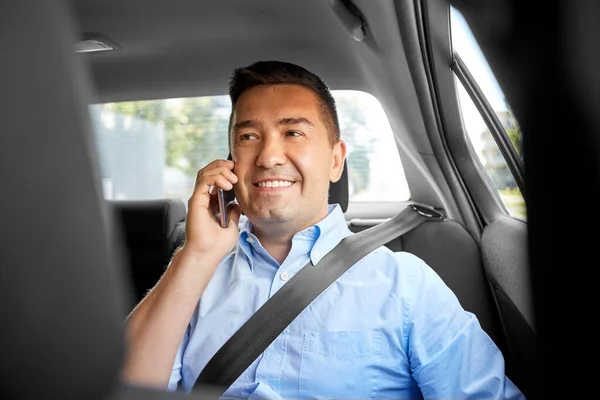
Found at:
<point>156,326</point>
<point>205,238</point>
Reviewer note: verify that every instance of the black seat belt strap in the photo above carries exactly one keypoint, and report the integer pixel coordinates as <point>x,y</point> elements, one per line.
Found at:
<point>249,342</point>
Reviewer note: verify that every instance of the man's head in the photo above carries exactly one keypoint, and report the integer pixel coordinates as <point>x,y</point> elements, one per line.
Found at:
<point>284,139</point>
<point>282,73</point>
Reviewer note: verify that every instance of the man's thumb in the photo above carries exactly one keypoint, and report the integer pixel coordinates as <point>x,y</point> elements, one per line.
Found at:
<point>234,211</point>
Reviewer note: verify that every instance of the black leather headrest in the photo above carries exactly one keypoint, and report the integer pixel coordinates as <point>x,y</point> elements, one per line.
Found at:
<point>148,220</point>
<point>338,191</point>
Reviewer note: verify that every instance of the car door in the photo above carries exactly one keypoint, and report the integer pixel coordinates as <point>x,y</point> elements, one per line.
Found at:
<point>481,251</point>
<point>485,143</point>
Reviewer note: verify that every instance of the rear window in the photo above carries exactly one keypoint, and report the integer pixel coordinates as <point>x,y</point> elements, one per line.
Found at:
<point>154,149</point>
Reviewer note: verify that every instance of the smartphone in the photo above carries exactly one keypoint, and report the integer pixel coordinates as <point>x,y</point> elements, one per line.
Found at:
<point>225,197</point>
<point>222,207</point>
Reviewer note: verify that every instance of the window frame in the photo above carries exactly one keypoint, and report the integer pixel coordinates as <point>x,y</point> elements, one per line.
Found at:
<point>483,203</point>
<point>489,116</point>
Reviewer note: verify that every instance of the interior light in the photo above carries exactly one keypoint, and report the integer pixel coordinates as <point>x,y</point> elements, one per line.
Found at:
<point>93,42</point>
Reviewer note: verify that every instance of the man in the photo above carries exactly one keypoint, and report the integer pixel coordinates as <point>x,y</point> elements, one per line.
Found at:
<point>388,328</point>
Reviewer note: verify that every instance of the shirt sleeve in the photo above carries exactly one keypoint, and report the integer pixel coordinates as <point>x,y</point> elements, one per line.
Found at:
<point>176,373</point>
<point>450,355</point>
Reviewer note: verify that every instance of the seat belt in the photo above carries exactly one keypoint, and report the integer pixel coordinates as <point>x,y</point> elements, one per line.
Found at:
<point>251,340</point>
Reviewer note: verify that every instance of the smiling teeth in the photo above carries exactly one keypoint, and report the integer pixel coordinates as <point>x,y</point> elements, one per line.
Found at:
<point>274,184</point>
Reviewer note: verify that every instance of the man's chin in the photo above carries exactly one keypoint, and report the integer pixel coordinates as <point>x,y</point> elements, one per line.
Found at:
<point>271,216</point>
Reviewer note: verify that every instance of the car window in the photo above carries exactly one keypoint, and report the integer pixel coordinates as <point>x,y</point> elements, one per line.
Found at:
<point>153,149</point>
<point>483,143</point>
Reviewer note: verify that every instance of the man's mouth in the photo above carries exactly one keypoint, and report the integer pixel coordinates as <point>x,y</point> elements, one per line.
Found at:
<point>279,183</point>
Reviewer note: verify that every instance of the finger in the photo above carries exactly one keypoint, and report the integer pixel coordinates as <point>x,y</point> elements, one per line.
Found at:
<point>219,171</point>
<point>208,183</point>
<point>225,164</point>
<point>220,181</point>
<point>207,177</point>
<point>214,200</point>
<point>203,185</point>
<point>233,214</point>
<point>220,163</point>
<point>205,194</point>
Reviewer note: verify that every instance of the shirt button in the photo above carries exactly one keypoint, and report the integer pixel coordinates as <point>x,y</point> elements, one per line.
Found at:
<point>249,240</point>
<point>316,254</point>
<point>284,276</point>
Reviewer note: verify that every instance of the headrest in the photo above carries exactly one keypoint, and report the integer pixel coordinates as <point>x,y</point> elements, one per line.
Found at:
<point>338,191</point>
<point>62,296</point>
<point>148,220</point>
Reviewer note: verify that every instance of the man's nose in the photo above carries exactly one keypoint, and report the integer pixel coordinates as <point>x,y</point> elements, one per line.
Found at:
<point>272,153</point>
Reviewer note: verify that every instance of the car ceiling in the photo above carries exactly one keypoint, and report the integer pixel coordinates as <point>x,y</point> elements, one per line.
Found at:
<point>190,47</point>
<point>187,48</point>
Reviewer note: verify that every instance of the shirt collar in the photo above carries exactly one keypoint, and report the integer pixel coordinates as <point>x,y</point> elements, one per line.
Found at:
<point>332,229</point>
<point>326,234</point>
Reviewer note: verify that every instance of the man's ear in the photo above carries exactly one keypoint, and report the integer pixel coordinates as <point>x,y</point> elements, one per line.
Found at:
<point>337,164</point>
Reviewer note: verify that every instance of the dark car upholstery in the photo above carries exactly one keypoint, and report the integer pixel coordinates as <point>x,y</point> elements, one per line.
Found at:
<point>151,230</point>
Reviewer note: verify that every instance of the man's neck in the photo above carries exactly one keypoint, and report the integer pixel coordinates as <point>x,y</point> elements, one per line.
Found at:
<point>276,238</point>
<point>277,242</point>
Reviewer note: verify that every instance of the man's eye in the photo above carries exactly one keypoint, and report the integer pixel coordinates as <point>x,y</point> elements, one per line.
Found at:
<point>294,133</point>
<point>247,136</point>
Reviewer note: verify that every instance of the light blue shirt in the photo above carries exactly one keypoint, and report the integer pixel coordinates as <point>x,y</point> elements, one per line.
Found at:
<point>388,328</point>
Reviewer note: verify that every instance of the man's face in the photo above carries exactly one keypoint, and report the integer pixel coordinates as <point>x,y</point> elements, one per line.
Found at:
<point>283,155</point>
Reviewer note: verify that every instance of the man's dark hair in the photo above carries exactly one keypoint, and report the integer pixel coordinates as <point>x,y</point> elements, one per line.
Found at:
<point>283,73</point>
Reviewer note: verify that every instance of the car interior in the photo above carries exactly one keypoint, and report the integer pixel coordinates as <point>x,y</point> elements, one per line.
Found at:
<point>74,263</point>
